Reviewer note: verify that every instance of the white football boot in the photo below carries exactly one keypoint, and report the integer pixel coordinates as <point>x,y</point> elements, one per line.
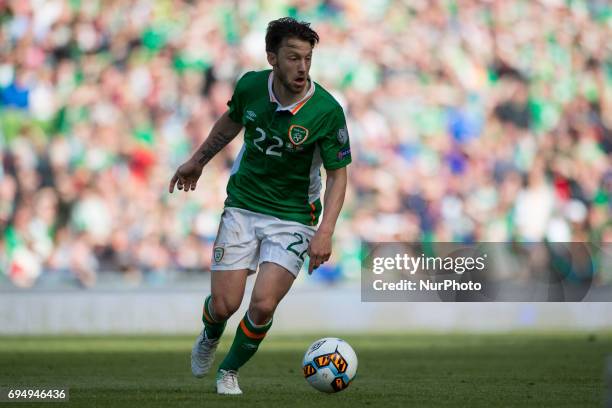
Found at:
<point>227,382</point>
<point>203,354</point>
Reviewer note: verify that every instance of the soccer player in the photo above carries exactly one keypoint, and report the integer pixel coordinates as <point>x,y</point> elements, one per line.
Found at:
<point>292,127</point>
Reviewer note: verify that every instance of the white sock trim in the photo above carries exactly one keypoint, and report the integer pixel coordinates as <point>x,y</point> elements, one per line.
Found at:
<point>210,311</point>
<point>257,326</point>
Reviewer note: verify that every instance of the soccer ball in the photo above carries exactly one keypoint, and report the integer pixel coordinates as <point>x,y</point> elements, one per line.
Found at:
<point>330,364</point>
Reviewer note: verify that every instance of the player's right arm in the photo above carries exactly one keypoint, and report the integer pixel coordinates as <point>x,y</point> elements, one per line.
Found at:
<point>187,175</point>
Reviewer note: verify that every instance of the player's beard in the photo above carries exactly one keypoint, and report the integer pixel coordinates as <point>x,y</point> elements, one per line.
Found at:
<point>289,85</point>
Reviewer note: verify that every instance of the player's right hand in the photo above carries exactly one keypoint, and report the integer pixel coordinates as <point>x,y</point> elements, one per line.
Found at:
<point>186,176</point>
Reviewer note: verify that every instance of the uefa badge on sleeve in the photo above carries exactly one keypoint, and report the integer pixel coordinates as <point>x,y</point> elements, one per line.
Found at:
<point>218,254</point>
<point>343,135</point>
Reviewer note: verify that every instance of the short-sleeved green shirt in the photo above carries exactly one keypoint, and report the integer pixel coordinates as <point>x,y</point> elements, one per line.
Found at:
<point>277,171</point>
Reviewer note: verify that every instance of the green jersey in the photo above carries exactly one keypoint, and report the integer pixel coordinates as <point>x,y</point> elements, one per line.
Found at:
<point>277,171</point>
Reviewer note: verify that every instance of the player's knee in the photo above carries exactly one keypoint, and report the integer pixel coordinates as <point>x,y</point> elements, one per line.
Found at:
<point>262,310</point>
<point>224,308</point>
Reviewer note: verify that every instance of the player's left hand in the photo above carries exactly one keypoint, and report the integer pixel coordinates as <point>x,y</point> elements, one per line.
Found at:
<point>319,250</point>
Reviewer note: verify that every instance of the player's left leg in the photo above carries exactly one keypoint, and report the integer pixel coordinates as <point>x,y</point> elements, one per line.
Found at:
<point>272,284</point>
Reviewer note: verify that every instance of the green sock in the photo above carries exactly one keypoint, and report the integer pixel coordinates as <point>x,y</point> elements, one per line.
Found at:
<point>246,342</point>
<point>213,328</point>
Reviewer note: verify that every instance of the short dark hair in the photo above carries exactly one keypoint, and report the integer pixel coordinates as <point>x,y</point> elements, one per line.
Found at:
<point>288,27</point>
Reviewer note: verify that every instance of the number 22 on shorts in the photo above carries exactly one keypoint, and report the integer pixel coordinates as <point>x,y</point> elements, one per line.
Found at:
<point>299,241</point>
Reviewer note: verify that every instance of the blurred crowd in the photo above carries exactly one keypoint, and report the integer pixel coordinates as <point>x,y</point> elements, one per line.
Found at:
<point>469,121</point>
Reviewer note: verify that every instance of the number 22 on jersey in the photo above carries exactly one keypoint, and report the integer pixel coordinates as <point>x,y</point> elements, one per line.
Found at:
<point>273,149</point>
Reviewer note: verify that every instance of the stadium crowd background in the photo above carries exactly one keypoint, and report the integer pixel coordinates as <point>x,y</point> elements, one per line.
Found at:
<point>469,121</point>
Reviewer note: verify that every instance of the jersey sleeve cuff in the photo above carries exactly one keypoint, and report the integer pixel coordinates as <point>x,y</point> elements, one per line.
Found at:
<point>338,165</point>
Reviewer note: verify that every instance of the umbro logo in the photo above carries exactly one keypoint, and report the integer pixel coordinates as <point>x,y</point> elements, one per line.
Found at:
<point>250,115</point>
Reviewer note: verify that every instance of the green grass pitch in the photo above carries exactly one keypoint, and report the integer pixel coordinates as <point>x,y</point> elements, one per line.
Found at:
<point>409,370</point>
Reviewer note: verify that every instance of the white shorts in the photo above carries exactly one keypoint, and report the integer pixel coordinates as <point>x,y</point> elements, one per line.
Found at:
<point>246,239</point>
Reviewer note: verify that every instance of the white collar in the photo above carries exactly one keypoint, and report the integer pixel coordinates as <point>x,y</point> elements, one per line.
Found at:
<point>294,107</point>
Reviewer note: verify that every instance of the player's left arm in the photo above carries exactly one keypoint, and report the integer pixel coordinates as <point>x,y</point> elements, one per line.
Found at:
<point>320,247</point>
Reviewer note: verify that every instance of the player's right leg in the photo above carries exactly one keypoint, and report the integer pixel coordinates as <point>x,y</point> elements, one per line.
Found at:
<point>227,290</point>
<point>283,246</point>
<point>235,254</point>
